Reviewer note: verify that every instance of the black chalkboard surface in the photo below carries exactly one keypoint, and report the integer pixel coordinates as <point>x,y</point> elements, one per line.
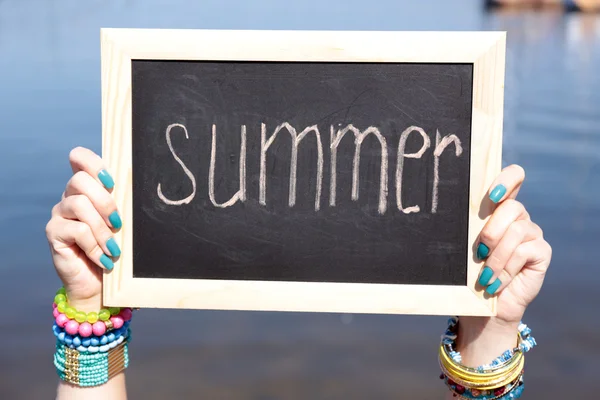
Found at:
<point>198,215</point>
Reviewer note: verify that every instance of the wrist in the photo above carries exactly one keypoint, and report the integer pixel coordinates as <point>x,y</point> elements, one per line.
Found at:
<point>480,340</point>
<point>85,304</point>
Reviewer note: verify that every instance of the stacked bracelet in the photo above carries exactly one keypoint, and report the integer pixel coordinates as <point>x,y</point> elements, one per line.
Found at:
<point>91,347</point>
<point>87,324</point>
<point>502,378</point>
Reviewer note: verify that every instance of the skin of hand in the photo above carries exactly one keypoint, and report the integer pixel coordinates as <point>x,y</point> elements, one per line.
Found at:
<point>80,233</point>
<point>516,255</point>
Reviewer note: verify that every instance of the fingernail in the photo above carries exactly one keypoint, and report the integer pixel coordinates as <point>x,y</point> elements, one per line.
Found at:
<point>498,192</point>
<point>494,286</point>
<point>482,251</point>
<point>485,276</point>
<point>113,247</point>
<point>106,179</point>
<point>115,220</point>
<point>107,262</point>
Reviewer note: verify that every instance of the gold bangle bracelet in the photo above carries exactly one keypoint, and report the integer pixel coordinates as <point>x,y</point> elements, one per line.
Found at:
<point>487,384</point>
<point>461,371</point>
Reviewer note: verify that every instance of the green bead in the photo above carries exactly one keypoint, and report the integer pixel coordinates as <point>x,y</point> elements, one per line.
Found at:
<point>114,310</point>
<point>80,316</point>
<point>61,291</point>
<point>70,311</point>
<point>61,306</point>
<point>60,298</point>
<point>92,317</point>
<point>104,314</point>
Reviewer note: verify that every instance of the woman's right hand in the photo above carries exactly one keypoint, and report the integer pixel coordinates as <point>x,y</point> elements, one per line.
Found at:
<point>80,231</point>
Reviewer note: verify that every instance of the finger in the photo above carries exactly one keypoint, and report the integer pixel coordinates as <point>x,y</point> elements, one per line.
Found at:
<point>63,233</point>
<point>83,159</point>
<point>519,232</point>
<point>83,184</point>
<point>507,184</point>
<point>527,253</point>
<point>506,213</point>
<point>79,207</point>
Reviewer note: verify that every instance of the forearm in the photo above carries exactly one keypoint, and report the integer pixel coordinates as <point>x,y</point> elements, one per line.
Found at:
<point>114,389</point>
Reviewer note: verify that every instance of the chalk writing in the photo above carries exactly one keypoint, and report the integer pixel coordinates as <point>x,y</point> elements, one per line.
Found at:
<point>185,169</point>
<point>336,136</point>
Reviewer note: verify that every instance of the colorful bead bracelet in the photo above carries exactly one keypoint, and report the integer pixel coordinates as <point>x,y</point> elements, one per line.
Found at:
<point>92,344</point>
<point>526,343</point>
<point>87,328</point>
<point>88,370</point>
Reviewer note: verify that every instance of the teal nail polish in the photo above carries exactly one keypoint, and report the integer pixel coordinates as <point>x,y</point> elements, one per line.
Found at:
<point>106,179</point>
<point>482,251</point>
<point>115,220</point>
<point>113,247</point>
<point>485,276</point>
<point>494,286</point>
<point>498,192</point>
<point>107,262</point>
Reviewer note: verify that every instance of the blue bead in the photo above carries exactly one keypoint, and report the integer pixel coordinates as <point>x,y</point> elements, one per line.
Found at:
<point>55,329</point>
<point>68,339</point>
<point>94,341</point>
<point>76,341</point>
<point>86,342</point>
<point>61,336</point>
<point>103,339</point>
<point>111,337</point>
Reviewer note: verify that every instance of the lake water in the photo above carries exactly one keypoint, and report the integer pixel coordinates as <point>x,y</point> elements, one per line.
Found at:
<point>50,102</point>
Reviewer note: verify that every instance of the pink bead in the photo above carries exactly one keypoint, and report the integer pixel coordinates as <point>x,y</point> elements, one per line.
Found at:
<point>54,305</point>
<point>117,321</point>
<point>56,313</point>
<point>85,329</point>
<point>126,314</point>
<point>72,327</point>
<point>99,328</point>
<point>61,320</point>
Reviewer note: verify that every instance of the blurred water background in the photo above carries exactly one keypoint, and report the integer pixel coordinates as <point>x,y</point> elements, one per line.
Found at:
<point>50,102</point>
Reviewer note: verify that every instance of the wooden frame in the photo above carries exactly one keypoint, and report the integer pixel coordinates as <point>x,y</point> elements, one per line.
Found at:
<point>486,50</point>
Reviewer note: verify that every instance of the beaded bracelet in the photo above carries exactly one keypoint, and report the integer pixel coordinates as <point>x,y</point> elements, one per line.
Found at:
<point>92,344</point>
<point>88,370</point>
<point>526,343</point>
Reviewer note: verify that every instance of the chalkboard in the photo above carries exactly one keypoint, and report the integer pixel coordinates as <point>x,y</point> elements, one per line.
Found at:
<point>316,235</point>
<point>301,171</point>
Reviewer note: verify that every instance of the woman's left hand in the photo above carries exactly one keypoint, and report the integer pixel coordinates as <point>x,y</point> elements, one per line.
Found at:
<point>516,260</point>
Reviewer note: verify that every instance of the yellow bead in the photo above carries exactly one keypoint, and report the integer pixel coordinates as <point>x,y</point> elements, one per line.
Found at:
<point>104,314</point>
<point>92,317</point>
<point>59,298</point>
<point>80,316</point>
<point>61,306</point>
<point>70,312</point>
